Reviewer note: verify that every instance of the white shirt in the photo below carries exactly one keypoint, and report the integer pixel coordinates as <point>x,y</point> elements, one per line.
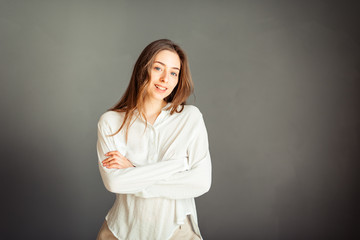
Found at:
<point>173,167</point>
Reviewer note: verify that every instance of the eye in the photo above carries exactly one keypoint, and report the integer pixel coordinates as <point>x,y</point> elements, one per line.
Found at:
<point>157,68</point>
<point>174,74</point>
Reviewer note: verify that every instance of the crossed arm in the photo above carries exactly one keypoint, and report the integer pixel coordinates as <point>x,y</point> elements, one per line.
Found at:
<point>174,178</point>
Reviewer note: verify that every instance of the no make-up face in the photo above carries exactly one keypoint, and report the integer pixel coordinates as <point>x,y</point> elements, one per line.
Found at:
<point>164,75</point>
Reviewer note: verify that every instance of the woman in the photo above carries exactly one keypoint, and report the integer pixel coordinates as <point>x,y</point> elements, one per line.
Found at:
<point>153,151</point>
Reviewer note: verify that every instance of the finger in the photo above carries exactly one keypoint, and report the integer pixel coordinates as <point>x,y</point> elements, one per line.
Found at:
<point>113,165</point>
<point>107,160</point>
<point>124,162</point>
<point>117,153</point>
<point>117,165</point>
<point>110,159</point>
<point>117,158</point>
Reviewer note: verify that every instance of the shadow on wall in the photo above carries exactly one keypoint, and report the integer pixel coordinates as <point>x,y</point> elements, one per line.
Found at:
<point>318,203</point>
<point>40,201</point>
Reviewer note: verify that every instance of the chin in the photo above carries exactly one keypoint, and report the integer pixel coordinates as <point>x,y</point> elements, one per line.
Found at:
<point>159,98</point>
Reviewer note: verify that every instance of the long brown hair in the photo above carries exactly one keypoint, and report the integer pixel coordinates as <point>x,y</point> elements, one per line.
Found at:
<point>136,91</point>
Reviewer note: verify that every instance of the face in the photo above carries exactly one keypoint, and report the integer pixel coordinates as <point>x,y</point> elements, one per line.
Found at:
<point>164,75</point>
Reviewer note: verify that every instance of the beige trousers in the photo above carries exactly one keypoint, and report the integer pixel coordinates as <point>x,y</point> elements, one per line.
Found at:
<point>183,232</point>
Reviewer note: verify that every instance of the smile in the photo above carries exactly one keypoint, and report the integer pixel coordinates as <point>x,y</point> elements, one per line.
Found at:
<point>160,87</point>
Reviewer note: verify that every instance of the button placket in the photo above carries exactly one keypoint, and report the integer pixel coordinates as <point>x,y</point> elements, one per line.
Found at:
<point>152,150</point>
<point>154,143</point>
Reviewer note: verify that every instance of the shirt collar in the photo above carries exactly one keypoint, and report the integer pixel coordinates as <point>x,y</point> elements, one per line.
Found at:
<point>166,106</point>
<point>161,115</point>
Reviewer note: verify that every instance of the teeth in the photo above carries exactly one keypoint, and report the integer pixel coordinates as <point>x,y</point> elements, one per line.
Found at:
<point>161,88</point>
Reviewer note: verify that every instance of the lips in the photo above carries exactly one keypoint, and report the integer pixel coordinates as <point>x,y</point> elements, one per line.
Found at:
<point>162,88</point>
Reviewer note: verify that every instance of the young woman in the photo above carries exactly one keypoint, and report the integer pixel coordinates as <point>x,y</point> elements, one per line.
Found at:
<point>153,151</point>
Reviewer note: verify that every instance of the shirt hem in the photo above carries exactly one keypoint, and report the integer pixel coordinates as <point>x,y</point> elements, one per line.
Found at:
<point>112,231</point>
<point>193,223</point>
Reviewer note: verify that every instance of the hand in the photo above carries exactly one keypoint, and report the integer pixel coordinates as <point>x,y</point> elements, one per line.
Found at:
<point>116,160</point>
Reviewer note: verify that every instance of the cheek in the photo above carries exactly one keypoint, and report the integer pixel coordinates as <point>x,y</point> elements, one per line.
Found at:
<point>151,77</point>
<point>154,75</point>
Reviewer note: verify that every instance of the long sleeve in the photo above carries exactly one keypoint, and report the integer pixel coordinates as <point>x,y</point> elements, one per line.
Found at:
<point>187,184</point>
<point>132,180</point>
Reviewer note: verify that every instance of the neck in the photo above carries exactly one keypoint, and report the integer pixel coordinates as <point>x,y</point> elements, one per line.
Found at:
<point>153,107</point>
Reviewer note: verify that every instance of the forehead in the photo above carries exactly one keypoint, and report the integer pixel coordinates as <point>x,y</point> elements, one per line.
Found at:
<point>169,58</point>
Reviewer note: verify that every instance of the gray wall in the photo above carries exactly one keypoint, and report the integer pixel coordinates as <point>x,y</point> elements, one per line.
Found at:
<point>277,82</point>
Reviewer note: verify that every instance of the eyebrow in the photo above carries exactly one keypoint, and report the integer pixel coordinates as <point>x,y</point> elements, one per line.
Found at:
<point>165,65</point>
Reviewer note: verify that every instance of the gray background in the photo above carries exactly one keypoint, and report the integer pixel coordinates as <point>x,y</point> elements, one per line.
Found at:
<point>276,81</point>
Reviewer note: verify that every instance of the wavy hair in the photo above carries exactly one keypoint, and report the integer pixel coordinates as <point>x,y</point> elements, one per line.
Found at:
<point>136,91</point>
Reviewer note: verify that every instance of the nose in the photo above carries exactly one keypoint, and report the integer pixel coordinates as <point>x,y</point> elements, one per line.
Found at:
<point>164,76</point>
